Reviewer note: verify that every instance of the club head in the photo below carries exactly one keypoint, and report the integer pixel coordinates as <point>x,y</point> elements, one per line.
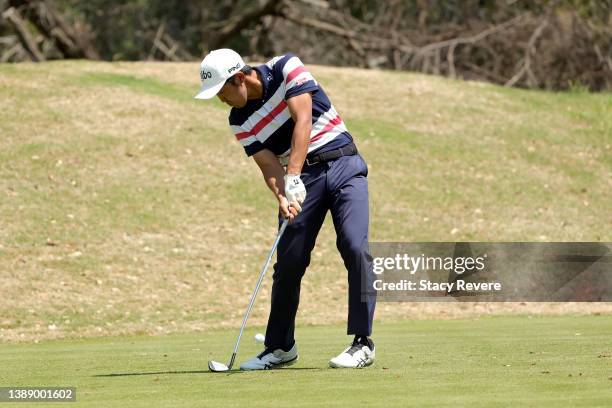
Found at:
<point>216,367</point>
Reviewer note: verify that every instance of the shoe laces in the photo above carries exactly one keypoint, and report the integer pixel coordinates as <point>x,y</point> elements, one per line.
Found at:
<point>355,347</point>
<point>264,353</point>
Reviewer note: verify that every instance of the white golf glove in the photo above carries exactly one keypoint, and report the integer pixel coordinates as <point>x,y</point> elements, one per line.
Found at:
<point>295,191</point>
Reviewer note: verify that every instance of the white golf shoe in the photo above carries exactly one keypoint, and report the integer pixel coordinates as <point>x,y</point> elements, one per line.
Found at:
<point>269,359</point>
<point>359,354</point>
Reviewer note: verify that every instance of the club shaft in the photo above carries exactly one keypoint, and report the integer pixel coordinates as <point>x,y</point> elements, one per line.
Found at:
<point>259,281</point>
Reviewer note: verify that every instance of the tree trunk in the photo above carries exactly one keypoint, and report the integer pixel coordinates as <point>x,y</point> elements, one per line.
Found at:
<point>70,42</point>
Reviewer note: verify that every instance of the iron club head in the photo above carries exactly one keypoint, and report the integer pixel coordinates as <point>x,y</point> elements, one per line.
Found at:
<point>216,366</point>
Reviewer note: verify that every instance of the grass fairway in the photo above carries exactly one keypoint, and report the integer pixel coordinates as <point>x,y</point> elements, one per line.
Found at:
<point>127,207</point>
<point>132,228</point>
<point>492,361</point>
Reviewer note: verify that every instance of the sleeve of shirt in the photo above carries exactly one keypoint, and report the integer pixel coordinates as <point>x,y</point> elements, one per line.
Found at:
<point>297,78</point>
<point>250,144</point>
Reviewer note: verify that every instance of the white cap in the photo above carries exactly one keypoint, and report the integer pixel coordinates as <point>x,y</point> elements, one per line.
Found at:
<point>215,69</point>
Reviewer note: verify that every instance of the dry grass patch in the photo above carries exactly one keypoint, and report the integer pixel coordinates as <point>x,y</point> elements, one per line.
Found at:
<point>127,207</point>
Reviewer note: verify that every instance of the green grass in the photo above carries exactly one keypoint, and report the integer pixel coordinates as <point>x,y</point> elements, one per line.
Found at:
<point>132,229</point>
<point>142,85</point>
<point>126,206</point>
<point>499,361</point>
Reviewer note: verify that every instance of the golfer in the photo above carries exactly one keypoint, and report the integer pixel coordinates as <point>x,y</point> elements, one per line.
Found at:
<point>283,119</point>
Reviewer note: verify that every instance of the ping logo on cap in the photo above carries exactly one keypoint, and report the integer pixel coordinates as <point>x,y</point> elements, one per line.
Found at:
<point>234,68</point>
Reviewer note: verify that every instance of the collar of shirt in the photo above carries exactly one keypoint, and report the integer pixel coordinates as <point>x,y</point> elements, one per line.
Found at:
<point>265,78</point>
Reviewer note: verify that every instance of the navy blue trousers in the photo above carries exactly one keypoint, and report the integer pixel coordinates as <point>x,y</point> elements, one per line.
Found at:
<point>341,187</point>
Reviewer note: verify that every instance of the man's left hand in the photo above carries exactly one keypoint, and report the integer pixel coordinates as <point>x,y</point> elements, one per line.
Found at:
<point>295,191</point>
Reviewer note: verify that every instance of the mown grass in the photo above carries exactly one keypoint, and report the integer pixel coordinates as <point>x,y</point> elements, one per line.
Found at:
<point>127,207</point>
<point>499,361</point>
<point>144,85</point>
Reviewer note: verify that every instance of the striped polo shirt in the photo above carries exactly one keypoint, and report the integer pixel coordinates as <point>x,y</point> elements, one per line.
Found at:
<point>267,124</point>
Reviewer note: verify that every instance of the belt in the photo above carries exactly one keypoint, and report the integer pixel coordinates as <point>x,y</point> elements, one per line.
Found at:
<point>348,150</point>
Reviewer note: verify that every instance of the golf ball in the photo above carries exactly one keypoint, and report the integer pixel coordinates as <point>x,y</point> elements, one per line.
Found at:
<point>260,338</point>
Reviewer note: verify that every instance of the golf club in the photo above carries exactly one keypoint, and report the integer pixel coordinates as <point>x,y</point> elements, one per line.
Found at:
<point>216,366</point>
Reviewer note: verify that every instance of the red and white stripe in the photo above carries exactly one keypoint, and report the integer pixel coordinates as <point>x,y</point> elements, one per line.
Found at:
<point>327,127</point>
<point>275,112</point>
<point>264,121</point>
<point>295,73</point>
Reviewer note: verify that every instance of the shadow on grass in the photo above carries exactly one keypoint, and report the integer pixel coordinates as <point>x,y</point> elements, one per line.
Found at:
<point>197,372</point>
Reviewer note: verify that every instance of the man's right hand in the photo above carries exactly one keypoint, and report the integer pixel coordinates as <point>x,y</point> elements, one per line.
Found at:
<point>287,211</point>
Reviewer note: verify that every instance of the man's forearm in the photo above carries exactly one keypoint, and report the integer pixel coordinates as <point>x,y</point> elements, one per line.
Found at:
<point>299,146</point>
<point>272,172</point>
<point>273,175</point>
